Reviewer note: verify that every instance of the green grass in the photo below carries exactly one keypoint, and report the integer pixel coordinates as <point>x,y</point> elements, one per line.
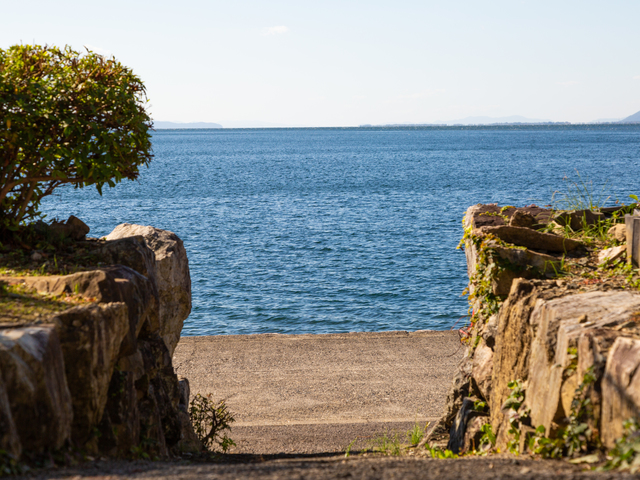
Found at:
<point>21,304</point>
<point>580,195</point>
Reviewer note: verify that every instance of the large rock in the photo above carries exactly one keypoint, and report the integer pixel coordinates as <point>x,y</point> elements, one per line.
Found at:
<point>491,214</point>
<point>9,440</point>
<point>618,232</point>
<point>620,388</point>
<point>526,237</point>
<point>482,369</point>
<point>131,252</point>
<point>115,283</point>
<point>173,279</point>
<point>511,351</point>
<point>578,219</point>
<point>558,324</point>
<point>537,325</point>
<point>524,263</point>
<point>91,338</point>
<point>33,372</point>
<point>147,405</point>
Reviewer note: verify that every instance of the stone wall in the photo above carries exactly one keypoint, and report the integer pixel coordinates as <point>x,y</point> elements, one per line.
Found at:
<point>98,377</point>
<point>565,339</point>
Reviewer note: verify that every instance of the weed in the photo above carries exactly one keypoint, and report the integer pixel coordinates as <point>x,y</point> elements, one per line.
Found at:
<point>512,404</point>
<point>625,455</point>
<point>488,439</point>
<point>9,465</point>
<point>210,420</point>
<point>576,436</point>
<point>347,451</point>
<point>417,433</point>
<point>580,195</point>
<point>138,453</point>
<point>437,452</point>
<point>388,445</point>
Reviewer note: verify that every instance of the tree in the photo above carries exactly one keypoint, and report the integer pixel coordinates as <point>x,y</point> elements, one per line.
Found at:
<point>66,118</point>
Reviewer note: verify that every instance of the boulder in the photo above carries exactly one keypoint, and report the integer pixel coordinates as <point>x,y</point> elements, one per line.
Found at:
<point>511,351</point>
<point>32,368</point>
<point>618,232</point>
<point>578,219</point>
<point>558,324</point>
<point>524,264</point>
<point>115,283</point>
<point>9,439</point>
<point>481,215</point>
<point>525,237</point>
<point>620,388</point>
<point>147,402</point>
<point>522,219</point>
<point>611,254</point>
<point>131,252</point>
<point>74,228</point>
<point>482,369</point>
<point>173,279</point>
<point>120,424</point>
<point>91,337</point>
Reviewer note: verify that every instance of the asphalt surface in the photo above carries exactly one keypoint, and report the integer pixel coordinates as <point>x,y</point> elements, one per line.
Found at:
<point>318,393</point>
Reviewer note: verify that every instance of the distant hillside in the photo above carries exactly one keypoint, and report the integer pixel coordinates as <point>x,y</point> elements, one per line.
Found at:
<point>635,118</point>
<point>162,125</point>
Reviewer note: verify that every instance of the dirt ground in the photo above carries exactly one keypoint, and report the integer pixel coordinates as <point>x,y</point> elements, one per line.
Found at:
<point>312,467</point>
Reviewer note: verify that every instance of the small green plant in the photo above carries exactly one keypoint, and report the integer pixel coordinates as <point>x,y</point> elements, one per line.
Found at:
<point>347,451</point>
<point>437,452</point>
<point>488,439</point>
<point>576,436</point>
<point>8,464</point>
<point>512,405</point>
<point>387,445</point>
<point>416,433</point>
<point>210,420</point>
<point>626,454</point>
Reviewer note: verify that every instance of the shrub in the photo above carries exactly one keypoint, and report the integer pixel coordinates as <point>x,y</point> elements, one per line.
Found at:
<point>66,118</point>
<point>210,420</point>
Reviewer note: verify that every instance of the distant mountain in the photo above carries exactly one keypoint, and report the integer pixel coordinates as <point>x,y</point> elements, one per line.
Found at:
<point>635,118</point>
<point>162,125</point>
<point>606,120</point>
<point>252,124</point>
<point>494,120</point>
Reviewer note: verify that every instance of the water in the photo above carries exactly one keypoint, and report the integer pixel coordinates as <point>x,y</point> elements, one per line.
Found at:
<point>337,230</point>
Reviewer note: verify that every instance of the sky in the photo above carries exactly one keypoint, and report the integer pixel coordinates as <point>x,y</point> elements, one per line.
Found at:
<point>345,63</point>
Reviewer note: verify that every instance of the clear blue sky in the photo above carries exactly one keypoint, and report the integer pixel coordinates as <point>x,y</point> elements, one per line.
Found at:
<point>334,63</point>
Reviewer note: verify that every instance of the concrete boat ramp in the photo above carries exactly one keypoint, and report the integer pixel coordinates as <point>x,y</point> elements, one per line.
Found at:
<point>309,394</point>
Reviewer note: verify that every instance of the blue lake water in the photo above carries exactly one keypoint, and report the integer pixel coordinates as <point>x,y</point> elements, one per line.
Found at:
<point>337,230</point>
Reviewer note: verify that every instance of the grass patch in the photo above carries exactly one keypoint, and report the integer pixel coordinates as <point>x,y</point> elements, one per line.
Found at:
<point>580,195</point>
<point>21,304</point>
